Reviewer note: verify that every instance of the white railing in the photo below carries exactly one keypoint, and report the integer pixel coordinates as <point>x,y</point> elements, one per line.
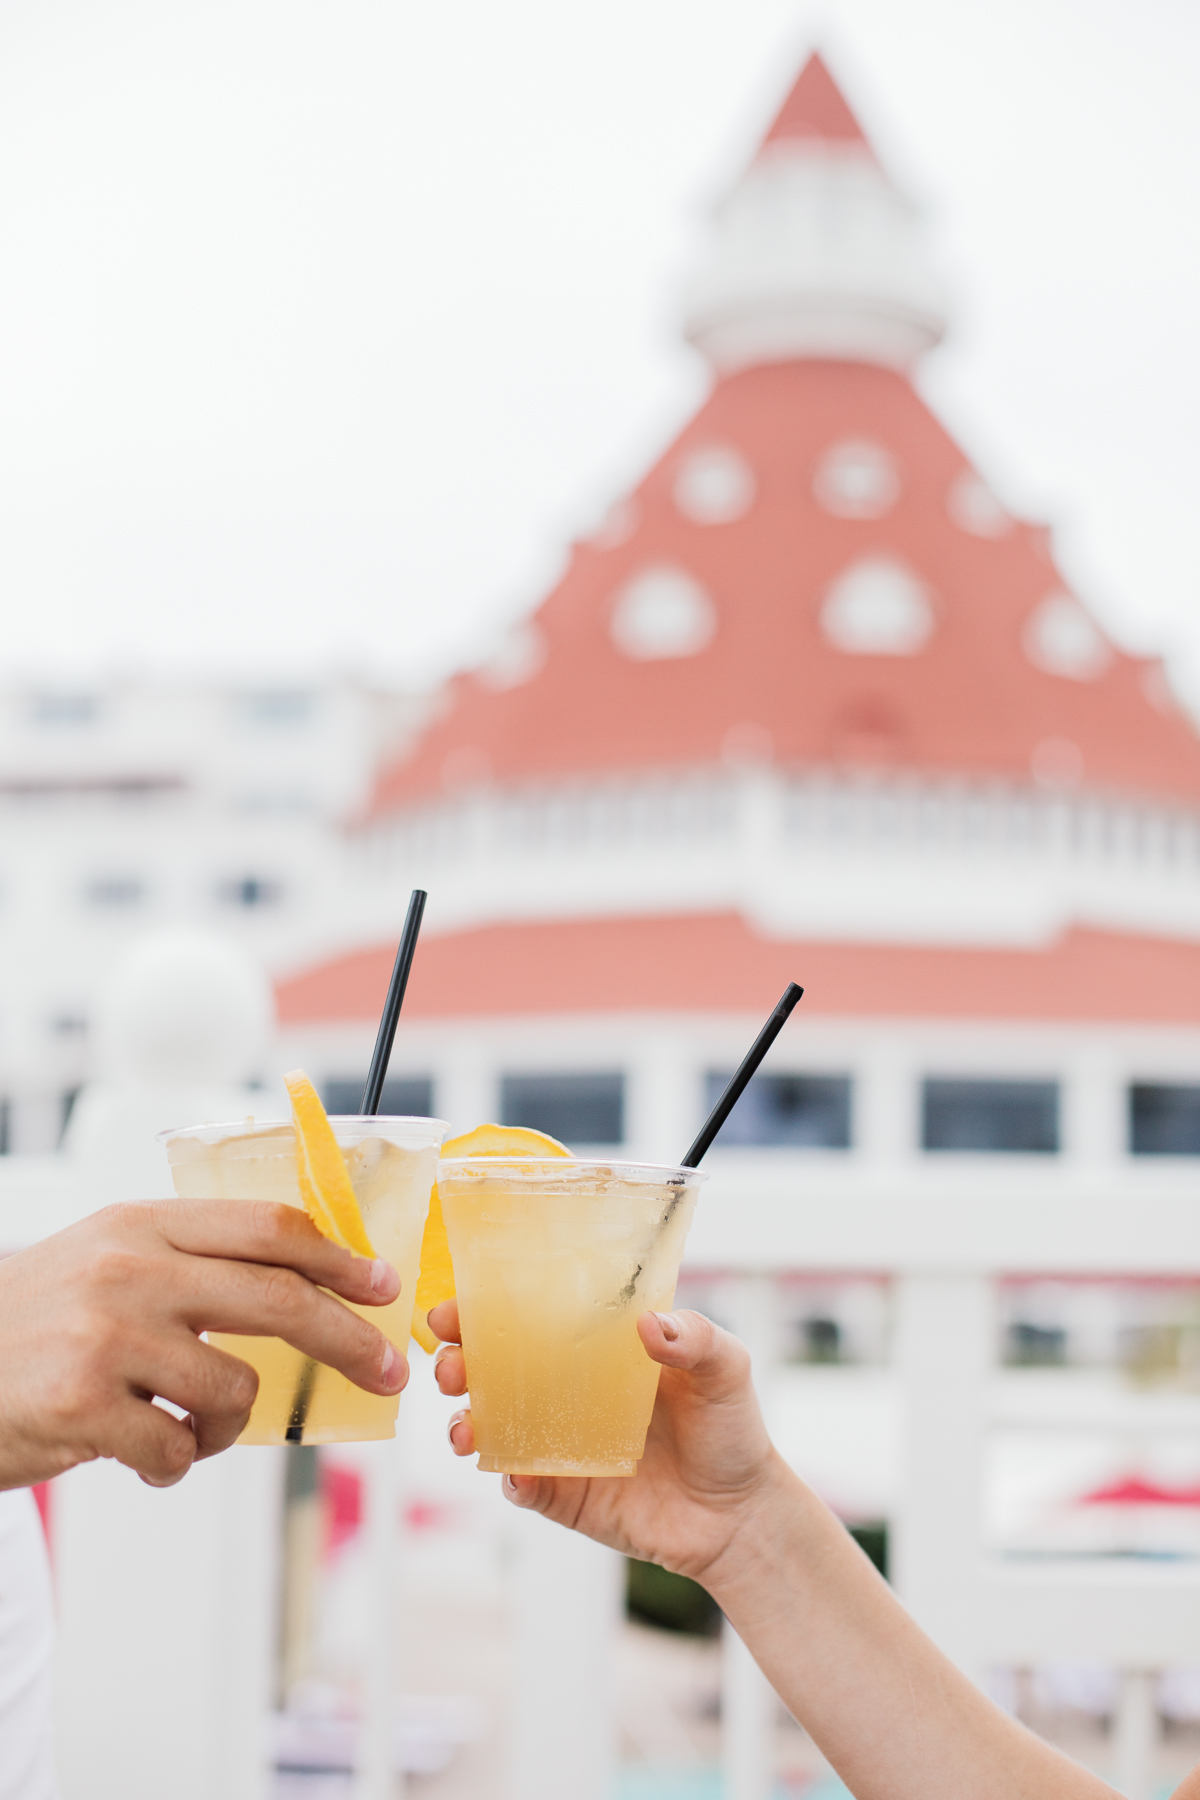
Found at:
<point>944,1254</point>
<point>982,861</point>
<point>922,813</point>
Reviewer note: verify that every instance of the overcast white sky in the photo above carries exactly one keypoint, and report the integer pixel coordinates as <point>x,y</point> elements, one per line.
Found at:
<point>325,323</point>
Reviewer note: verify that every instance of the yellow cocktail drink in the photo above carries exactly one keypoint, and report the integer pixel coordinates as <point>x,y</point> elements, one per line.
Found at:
<point>554,1262</point>
<point>391,1164</point>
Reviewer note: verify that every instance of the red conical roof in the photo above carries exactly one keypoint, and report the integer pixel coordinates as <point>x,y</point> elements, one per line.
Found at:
<point>816,108</point>
<point>855,598</point>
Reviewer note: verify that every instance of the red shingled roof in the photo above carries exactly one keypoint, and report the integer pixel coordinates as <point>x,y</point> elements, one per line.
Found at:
<point>717,962</point>
<point>970,701</point>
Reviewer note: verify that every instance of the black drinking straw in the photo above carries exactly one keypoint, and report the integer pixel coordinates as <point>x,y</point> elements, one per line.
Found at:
<point>393,1003</point>
<point>720,1113</point>
<point>302,1398</point>
<point>737,1084</point>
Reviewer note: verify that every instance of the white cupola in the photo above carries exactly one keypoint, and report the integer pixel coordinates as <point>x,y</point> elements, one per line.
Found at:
<point>817,253</point>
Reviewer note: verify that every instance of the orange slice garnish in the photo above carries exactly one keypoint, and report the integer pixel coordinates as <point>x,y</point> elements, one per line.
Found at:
<point>436,1280</point>
<point>325,1186</point>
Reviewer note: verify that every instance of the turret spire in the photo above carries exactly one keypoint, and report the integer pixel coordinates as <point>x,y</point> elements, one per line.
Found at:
<point>817,253</point>
<point>816,108</point>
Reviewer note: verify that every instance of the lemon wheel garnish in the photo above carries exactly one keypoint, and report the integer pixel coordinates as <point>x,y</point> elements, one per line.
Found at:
<point>325,1187</point>
<point>436,1281</point>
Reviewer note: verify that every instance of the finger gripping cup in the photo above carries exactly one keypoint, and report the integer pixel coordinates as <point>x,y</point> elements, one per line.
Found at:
<point>390,1162</point>
<point>555,1261</point>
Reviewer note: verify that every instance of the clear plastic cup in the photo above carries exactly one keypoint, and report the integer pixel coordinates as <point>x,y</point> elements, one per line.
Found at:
<point>555,1260</point>
<point>391,1163</point>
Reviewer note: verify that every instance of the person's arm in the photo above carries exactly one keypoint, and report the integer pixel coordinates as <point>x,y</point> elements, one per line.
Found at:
<point>712,1499</point>
<point>98,1320</point>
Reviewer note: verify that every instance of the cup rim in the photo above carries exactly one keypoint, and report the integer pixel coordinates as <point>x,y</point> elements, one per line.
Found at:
<point>558,1165</point>
<point>223,1129</point>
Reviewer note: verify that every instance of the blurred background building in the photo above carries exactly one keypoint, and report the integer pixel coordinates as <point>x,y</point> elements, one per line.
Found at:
<point>129,806</point>
<point>810,702</point>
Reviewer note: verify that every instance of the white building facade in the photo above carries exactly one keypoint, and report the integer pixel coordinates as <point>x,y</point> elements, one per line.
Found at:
<point>129,806</point>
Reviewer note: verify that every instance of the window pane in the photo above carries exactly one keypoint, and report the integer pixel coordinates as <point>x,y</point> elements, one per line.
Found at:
<point>833,1320</point>
<point>403,1095</point>
<point>806,1110</point>
<point>115,890</point>
<point>1035,1346</point>
<point>282,707</point>
<point>578,1109</point>
<point>250,890</point>
<point>821,1340</point>
<point>1164,1120</point>
<point>1020,1116</point>
<point>64,709</point>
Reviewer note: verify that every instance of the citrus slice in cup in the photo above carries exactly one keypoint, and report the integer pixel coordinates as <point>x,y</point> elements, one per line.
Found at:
<point>325,1186</point>
<point>436,1281</point>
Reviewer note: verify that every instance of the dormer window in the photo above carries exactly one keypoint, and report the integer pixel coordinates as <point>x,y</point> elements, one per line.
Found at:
<point>714,486</point>
<point>663,612</point>
<point>857,480</point>
<point>878,607</point>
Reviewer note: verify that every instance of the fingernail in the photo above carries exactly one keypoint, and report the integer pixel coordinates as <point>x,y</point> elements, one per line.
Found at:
<point>383,1276</point>
<point>455,1419</point>
<point>670,1326</point>
<point>393,1367</point>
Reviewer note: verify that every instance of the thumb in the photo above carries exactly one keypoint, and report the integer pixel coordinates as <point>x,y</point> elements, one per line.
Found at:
<point>716,1363</point>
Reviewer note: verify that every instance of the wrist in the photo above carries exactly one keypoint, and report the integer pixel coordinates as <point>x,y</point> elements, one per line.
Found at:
<point>770,1524</point>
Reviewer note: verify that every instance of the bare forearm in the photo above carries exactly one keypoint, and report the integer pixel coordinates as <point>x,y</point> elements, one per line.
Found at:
<point>895,1718</point>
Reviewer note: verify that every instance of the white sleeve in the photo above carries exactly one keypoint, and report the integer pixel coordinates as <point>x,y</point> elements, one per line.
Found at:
<point>26,1653</point>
